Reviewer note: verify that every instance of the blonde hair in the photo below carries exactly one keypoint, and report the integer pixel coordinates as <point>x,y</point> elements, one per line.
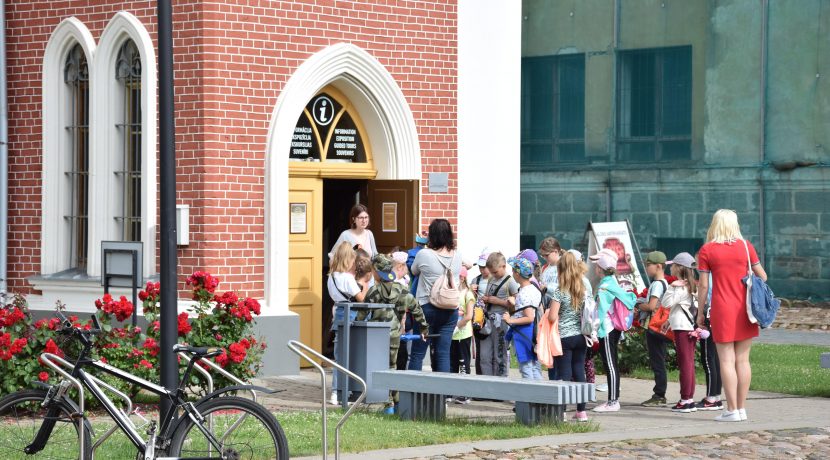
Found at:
<point>570,279</point>
<point>724,227</point>
<point>495,260</point>
<point>343,259</point>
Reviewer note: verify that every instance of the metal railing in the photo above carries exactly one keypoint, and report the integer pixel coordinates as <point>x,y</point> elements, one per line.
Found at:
<point>304,351</point>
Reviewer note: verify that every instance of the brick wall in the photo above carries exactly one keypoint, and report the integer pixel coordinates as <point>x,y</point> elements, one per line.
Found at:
<point>231,62</point>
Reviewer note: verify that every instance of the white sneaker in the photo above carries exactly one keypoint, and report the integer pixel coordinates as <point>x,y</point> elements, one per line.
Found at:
<point>726,416</point>
<point>610,406</point>
<point>601,387</point>
<point>333,399</point>
<point>742,413</point>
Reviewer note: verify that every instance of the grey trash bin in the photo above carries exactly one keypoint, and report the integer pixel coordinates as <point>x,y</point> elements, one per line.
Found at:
<point>368,345</point>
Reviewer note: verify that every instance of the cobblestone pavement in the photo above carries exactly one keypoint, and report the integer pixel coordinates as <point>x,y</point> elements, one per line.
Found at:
<point>804,443</point>
<point>798,315</point>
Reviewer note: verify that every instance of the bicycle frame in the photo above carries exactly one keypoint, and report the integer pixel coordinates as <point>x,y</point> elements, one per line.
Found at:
<point>81,379</point>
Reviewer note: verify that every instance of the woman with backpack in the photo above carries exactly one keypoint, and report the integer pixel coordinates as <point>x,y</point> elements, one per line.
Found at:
<point>612,300</point>
<point>728,257</point>
<point>429,265</point>
<point>567,302</point>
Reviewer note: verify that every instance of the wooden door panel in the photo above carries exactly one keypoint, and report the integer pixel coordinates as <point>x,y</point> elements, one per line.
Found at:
<point>304,284</point>
<point>393,206</point>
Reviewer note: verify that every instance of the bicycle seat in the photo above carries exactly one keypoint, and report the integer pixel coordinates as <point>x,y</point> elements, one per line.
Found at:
<point>199,352</point>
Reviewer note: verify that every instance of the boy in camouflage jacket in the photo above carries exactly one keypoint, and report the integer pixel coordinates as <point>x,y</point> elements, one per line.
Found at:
<point>387,291</point>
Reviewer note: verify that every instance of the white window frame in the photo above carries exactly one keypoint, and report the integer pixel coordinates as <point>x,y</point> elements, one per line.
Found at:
<point>56,143</point>
<point>106,154</point>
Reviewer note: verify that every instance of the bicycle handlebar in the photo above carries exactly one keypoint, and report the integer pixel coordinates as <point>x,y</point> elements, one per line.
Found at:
<point>68,328</point>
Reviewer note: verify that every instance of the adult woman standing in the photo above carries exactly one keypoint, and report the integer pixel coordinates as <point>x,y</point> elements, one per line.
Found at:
<point>430,263</point>
<point>358,234</point>
<point>725,256</point>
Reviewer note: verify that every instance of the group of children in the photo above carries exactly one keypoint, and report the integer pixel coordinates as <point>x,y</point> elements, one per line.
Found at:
<point>513,304</point>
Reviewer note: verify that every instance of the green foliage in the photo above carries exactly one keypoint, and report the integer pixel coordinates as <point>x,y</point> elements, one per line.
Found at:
<point>224,321</point>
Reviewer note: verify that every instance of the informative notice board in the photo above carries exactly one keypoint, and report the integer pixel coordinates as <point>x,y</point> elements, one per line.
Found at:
<point>616,236</point>
<point>326,130</point>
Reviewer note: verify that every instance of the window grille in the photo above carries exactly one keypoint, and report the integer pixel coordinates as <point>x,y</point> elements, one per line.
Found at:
<point>76,78</point>
<point>128,73</point>
<point>655,104</point>
<point>553,109</point>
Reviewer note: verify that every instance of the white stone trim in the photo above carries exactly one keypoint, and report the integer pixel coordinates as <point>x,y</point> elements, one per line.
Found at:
<point>54,245</point>
<point>104,140</point>
<point>389,126</point>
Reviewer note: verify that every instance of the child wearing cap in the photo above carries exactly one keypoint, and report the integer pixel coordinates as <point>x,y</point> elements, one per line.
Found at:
<point>609,338</point>
<point>387,291</point>
<point>523,321</point>
<point>656,344</point>
<point>479,287</point>
<point>679,297</point>
<point>400,269</point>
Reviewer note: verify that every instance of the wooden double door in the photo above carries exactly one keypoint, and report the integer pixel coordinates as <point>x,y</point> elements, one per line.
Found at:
<point>318,213</point>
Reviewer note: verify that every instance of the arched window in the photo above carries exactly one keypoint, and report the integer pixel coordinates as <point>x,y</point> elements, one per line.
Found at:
<point>76,78</point>
<point>128,75</point>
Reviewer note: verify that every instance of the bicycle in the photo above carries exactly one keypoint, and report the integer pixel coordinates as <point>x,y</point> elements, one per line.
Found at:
<point>47,423</point>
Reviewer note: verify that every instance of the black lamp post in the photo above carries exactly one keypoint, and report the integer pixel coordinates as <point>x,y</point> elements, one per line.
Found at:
<point>167,176</point>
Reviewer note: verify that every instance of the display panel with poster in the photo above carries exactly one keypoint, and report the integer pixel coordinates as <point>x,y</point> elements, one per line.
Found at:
<point>617,237</point>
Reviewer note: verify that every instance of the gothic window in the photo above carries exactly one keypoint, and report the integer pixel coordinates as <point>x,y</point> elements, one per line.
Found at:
<point>76,78</point>
<point>128,74</point>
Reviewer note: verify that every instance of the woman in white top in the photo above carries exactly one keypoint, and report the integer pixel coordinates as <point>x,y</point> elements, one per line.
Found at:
<point>358,234</point>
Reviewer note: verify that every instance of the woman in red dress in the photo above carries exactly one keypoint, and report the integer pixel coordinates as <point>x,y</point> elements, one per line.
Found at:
<point>725,256</point>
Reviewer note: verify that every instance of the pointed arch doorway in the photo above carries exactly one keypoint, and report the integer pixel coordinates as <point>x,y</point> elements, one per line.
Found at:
<point>296,200</point>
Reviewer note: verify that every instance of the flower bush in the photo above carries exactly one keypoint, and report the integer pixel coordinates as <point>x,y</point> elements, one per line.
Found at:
<point>217,320</point>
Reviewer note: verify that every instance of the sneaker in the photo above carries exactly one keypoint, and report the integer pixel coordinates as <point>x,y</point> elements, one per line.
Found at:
<point>462,400</point>
<point>684,407</point>
<point>610,406</point>
<point>726,416</point>
<point>705,404</point>
<point>655,401</point>
<point>333,399</point>
<point>742,413</point>
<point>602,387</point>
<point>580,416</point>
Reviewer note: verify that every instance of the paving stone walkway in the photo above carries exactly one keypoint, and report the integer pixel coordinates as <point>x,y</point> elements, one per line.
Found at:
<point>803,443</point>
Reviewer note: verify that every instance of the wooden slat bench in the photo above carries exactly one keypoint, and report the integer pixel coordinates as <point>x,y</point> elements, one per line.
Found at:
<point>422,394</point>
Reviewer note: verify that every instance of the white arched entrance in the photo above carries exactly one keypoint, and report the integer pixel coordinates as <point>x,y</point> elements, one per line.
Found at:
<point>390,129</point>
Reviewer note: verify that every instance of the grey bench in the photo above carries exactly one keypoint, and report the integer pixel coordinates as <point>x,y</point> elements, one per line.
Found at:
<point>422,394</point>
<point>825,360</point>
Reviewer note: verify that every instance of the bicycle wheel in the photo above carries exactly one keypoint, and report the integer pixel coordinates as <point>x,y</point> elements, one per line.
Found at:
<point>21,416</point>
<point>244,429</point>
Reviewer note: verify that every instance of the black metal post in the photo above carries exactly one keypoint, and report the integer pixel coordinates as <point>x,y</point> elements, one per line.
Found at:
<point>167,177</point>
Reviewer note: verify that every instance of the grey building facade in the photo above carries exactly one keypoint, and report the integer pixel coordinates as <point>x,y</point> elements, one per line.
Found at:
<point>661,112</point>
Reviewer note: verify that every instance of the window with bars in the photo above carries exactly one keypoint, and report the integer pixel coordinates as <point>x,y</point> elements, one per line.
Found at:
<point>76,78</point>
<point>553,110</point>
<point>654,118</point>
<point>128,74</point>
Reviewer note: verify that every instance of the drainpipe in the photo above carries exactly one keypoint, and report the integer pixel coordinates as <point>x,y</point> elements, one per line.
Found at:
<point>763,134</point>
<point>4,158</point>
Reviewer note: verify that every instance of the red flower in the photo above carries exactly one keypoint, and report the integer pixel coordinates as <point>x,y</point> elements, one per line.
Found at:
<point>43,376</point>
<point>52,347</point>
<point>10,316</point>
<point>222,359</point>
<point>183,326</point>
<point>146,363</point>
<point>245,343</point>
<point>238,352</point>
<point>202,280</point>
<point>252,305</point>
<point>18,345</point>
<point>151,346</point>
<point>228,298</point>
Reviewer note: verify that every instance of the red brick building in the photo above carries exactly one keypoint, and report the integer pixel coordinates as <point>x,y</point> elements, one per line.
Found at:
<point>83,138</point>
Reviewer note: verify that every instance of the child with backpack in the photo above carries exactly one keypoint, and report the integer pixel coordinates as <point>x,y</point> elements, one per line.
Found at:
<point>524,320</point>
<point>479,288</point>
<point>615,310</point>
<point>462,336</point>
<point>567,304</point>
<point>656,343</point>
<point>498,299</point>
<point>679,297</point>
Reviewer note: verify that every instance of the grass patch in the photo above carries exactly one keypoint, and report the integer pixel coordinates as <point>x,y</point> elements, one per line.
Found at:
<point>788,369</point>
<point>365,430</point>
<point>368,430</point>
